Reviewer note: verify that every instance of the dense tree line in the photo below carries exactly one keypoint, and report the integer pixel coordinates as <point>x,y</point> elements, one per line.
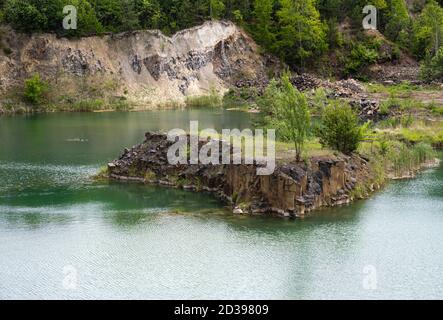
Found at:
<point>295,30</point>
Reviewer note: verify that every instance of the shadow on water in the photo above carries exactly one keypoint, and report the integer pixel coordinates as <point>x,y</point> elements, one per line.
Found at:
<point>120,204</point>
<point>134,204</point>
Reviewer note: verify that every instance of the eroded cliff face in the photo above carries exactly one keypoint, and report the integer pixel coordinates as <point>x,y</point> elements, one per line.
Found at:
<point>145,66</point>
<point>293,190</point>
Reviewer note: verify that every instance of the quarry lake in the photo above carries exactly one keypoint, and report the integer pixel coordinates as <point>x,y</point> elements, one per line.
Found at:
<point>63,236</point>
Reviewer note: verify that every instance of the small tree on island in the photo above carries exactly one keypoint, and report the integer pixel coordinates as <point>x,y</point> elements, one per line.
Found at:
<point>291,117</point>
<point>340,129</point>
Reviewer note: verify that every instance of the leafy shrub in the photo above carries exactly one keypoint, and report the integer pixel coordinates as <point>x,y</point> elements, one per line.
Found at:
<point>34,90</point>
<point>339,128</point>
<point>238,17</point>
<point>361,56</point>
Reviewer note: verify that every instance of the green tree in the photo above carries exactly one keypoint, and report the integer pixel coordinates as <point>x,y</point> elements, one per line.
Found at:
<point>398,22</point>
<point>355,9</point>
<point>301,34</point>
<point>25,16</point>
<point>53,12</point>
<point>87,20</point>
<point>109,13</point>
<point>428,30</point>
<point>331,9</point>
<point>334,36</point>
<point>263,26</point>
<point>217,8</point>
<point>339,128</point>
<point>291,115</point>
<point>150,14</point>
<point>130,19</point>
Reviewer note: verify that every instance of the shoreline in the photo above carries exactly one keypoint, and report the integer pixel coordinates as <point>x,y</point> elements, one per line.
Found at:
<point>274,211</point>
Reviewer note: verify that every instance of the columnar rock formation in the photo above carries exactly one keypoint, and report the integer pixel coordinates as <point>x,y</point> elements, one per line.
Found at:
<point>294,189</point>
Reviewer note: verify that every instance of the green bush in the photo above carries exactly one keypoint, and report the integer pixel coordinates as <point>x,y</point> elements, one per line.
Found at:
<point>339,128</point>
<point>361,56</point>
<point>34,89</point>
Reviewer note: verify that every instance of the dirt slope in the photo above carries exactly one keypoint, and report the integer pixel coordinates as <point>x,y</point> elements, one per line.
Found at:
<point>145,66</point>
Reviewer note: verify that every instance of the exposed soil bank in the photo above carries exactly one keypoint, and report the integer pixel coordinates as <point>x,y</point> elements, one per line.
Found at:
<point>146,67</point>
<point>293,190</point>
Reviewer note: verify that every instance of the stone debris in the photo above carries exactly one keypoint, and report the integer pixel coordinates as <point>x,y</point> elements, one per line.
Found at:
<point>258,84</point>
<point>338,89</point>
<point>367,109</point>
<point>305,82</point>
<point>344,88</point>
<point>348,89</point>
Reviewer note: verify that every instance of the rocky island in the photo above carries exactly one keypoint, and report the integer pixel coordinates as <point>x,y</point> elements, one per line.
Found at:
<point>293,190</point>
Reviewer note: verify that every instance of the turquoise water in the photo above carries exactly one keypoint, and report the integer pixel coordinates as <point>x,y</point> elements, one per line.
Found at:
<point>63,236</point>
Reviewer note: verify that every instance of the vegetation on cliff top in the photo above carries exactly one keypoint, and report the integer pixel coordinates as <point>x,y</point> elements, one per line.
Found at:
<point>304,33</point>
